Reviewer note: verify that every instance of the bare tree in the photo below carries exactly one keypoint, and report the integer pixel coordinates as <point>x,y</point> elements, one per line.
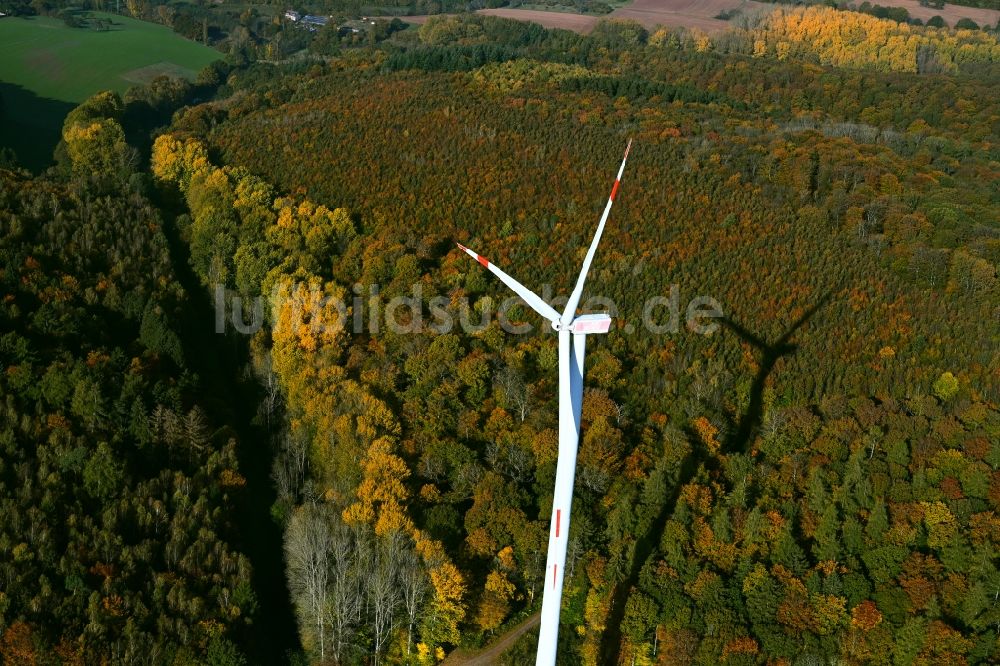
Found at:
<point>513,390</point>
<point>519,462</point>
<point>383,590</point>
<point>467,478</point>
<point>291,464</point>
<point>414,584</point>
<point>282,477</point>
<point>307,550</point>
<point>621,414</point>
<point>196,428</point>
<point>593,478</point>
<point>533,572</point>
<point>573,553</point>
<point>346,596</point>
<point>263,367</point>
<point>774,422</point>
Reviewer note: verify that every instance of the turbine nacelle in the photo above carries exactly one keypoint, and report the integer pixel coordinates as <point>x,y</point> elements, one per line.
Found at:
<point>588,324</point>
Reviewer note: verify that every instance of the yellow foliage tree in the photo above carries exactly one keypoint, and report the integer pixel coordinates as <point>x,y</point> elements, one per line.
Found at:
<point>447,608</point>
<point>309,315</point>
<point>382,493</point>
<point>176,161</point>
<point>941,524</point>
<point>853,39</point>
<point>97,148</point>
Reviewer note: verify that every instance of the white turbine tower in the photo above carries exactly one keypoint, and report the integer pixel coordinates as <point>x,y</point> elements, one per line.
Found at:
<point>572,345</point>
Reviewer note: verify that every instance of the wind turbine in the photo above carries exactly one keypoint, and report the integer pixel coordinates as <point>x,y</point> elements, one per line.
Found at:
<point>573,331</point>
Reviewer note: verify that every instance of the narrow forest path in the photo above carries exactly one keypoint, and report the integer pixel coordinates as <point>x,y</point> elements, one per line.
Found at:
<point>491,653</point>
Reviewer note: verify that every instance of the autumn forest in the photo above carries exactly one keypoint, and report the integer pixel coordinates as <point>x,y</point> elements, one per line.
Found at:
<point>203,460</point>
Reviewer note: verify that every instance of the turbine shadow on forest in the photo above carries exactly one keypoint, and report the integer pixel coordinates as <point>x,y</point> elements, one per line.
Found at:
<point>697,460</point>
<point>739,441</point>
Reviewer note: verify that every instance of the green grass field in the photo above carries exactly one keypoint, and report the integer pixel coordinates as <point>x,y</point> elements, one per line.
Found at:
<point>46,68</point>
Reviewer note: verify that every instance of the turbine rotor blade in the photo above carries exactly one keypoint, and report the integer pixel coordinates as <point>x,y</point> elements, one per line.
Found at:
<point>529,297</point>
<point>574,298</point>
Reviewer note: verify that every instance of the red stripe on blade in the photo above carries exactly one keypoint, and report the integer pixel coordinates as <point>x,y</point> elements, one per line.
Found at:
<point>483,260</point>
<point>555,567</point>
<point>614,191</point>
<point>558,515</point>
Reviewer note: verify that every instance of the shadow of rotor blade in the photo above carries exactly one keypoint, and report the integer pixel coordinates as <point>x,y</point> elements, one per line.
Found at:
<point>744,334</point>
<point>806,316</point>
<point>749,422</point>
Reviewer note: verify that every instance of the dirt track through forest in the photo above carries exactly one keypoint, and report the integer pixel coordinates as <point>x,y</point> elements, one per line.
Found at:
<point>491,653</point>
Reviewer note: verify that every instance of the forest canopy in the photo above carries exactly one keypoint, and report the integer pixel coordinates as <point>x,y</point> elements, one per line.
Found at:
<point>818,477</point>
